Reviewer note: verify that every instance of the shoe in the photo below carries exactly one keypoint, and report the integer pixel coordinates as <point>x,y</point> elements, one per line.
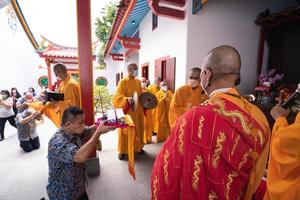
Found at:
<point>121,156</point>
<point>142,152</point>
<point>1,139</point>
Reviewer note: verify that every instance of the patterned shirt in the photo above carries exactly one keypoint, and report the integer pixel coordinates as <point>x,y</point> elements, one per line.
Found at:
<point>26,131</point>
<point>66,177</point>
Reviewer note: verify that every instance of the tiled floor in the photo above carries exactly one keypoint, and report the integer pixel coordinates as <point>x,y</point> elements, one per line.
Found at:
<point>24,175</point>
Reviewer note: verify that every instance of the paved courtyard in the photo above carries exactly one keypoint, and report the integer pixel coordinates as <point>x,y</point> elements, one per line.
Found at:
<point>24,175</point>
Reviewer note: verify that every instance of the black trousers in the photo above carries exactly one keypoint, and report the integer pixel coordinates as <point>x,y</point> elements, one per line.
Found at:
<point>12,122</point>
<point>30,145</point>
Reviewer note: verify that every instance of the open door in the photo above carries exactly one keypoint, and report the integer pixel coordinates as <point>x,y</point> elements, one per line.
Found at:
<point>170,73</point>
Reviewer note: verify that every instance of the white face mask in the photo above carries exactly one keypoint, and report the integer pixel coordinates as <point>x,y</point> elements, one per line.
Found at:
<point>193,83</point>
<point>144,85</point>
<point>164,88</point>
<point>58,78</point>
<point>135,72</point>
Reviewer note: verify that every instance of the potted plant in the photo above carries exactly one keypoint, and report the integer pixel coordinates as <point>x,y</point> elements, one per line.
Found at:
<point>267,86</point>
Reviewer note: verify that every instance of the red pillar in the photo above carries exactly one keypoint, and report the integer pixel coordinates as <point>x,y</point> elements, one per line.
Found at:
<point>49,74</point>
<point>85,58</point>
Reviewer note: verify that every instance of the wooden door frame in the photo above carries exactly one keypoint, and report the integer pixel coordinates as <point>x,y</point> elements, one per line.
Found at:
<point>160,59</point>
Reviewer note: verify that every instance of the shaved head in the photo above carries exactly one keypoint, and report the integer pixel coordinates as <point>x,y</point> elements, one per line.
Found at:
<point>221,69</point>
<point>196,70</point>
<point>223,59</point>
<point>157,81</point>
<point>132,66</point>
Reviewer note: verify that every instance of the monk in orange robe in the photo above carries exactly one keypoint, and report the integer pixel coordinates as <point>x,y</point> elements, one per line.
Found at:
<point>123,99</point>
<point>148,119</point>
<point>154,88</point>
<point>71,90</point>
<point>187,96</point>
<point>161,119</point>
<point>217,150</point>
<point>283,180</point>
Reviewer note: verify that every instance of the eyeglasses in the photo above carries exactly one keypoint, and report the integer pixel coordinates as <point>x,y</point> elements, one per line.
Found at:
<point>194,78</point>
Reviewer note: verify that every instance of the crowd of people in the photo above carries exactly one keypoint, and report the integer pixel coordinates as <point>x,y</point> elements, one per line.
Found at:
<point>217,144</point>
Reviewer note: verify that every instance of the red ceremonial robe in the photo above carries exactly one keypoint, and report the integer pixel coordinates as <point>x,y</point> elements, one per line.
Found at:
<point>210,154</point>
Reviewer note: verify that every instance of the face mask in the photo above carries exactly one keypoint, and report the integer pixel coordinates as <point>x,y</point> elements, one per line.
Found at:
<point>135,72</point>
<point>58,78</point>
<point>164,88</point>
<point>144,85</point>
<point>203,84</point>
<point>193,83</point>
<point>237,81</point>
<point>4,96</point>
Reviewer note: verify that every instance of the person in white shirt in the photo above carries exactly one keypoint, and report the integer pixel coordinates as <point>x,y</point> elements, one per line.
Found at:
<point>6,112</point>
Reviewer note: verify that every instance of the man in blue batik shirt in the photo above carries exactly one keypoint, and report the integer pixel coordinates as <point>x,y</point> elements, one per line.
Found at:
<point>67,154</point>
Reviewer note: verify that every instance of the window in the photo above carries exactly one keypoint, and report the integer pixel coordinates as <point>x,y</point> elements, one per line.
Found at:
<point>154,21</point>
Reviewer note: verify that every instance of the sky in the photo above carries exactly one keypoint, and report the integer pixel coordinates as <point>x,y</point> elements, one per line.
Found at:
<point>56,19</point>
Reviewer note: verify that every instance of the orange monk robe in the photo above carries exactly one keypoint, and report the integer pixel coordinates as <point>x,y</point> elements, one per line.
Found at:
<point>48,109</point>
<point>283,180</point>
<point>184,98</point>
<point>209,154</point>
<point>148,123</point>
<point>161,120</point>
<point>125,89</point>
<point>71,90</point>
<point>154,89</point>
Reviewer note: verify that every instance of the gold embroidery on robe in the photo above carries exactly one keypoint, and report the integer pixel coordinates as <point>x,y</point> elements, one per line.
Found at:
<point>197,164</point>
<point>245,158</point>
<point>219,147</point>
<point>247,127</point>
<point>155,186</point>
<point>200,127</point>
<point>228,185</point>
<point>181,134</point>
<point>166,173</point>
<point>236,141</point>
<point>212,195</point>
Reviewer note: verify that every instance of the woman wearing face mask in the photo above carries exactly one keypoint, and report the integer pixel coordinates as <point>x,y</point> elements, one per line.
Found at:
<point>15,95</point>
<point>161,120</point>
<point>187,96</point>
<point>6,112</point>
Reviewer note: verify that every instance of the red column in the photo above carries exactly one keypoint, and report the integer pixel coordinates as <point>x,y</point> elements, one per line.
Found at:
<point>49,74</point>
<point>85,58</point>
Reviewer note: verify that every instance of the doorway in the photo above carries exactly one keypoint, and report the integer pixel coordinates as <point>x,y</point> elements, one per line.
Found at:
<point>165,68</point>
<point>145,70</point>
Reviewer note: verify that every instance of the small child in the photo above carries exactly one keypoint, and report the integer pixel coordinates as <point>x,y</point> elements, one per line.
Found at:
<point>26,125</point>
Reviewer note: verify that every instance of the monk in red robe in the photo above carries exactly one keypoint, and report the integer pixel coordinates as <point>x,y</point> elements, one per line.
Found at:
<point>217,150</point>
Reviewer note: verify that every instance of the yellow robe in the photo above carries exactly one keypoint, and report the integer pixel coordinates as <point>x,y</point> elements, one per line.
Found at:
<point>161,122</point>
<point>125,89</point>
<point>148,124</point>
<point>283,181</point>
<point>48,109</point>
<point>71,90</point>
<point>185,98</point>
<point>154,89</point>
<point>259,116</point>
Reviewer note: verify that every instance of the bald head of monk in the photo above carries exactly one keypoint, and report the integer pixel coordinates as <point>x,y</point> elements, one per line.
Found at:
<point>220,69</point>
<point>60,71</point>
<point>132,69</point>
